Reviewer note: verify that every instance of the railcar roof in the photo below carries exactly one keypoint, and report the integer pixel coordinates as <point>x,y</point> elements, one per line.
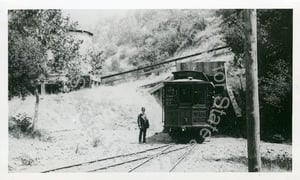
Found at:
<point>195,81</point>
<point>186,74</point>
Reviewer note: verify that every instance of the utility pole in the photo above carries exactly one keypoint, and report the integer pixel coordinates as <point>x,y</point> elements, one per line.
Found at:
<point>252,102</point>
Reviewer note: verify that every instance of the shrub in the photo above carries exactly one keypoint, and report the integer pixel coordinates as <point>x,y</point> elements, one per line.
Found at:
<point>96,142</point>
<point>20,124</point>
<point>283,161</point>
<point>26,160</point>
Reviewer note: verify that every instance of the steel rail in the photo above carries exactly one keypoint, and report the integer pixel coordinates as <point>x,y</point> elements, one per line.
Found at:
<point>133,160</point>
<point>149,159</point>
<point>103,159</point>
<point>182,157</point>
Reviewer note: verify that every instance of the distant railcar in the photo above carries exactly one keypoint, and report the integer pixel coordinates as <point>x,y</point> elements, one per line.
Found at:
<point>187,100</point>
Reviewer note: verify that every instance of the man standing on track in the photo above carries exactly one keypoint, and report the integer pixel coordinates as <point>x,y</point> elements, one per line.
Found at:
<point>143,124</point>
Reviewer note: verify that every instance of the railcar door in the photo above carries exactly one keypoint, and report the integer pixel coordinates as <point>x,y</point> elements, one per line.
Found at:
<point>170,105</point>
<point>185,104</point>
<point>200,109</point>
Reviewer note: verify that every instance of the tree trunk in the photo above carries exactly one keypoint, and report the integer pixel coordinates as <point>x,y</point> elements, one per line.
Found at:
<point>252,102</point>
<point>36,109</point>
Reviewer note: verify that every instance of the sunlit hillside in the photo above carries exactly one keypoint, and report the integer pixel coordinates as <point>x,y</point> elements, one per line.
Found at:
<point>103,107</point>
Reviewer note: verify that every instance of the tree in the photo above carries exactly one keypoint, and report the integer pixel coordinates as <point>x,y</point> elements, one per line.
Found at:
<point>31,34</point>
<point>148,36</point>
<point>96,61</point>
<point>275,70</point>
<point>274,63</point>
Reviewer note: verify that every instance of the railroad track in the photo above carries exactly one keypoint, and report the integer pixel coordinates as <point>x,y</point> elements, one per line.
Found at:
<point>101,160</point>
<point>127,159</point>
<point>149,159</point>
<point>187,151</point>
<point>183,156</point>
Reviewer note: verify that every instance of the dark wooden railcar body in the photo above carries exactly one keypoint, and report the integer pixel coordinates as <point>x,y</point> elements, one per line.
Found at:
<point>187,100</point>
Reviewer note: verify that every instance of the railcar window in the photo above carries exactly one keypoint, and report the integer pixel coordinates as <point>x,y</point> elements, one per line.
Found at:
<point>199,95</point>
<point>171,95</point>
<point>171,91</point>
<point>185,94</point>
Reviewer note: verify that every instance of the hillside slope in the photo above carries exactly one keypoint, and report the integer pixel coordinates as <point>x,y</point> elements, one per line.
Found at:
<point>102,107</point>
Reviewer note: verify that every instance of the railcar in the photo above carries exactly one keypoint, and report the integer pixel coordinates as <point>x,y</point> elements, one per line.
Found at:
<point>187,101</point>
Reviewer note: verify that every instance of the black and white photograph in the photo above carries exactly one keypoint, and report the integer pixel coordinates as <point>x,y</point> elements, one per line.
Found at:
<point>150,90</point>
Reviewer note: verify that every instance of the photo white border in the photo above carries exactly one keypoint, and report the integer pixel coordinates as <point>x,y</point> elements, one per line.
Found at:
<point>143,4</point>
